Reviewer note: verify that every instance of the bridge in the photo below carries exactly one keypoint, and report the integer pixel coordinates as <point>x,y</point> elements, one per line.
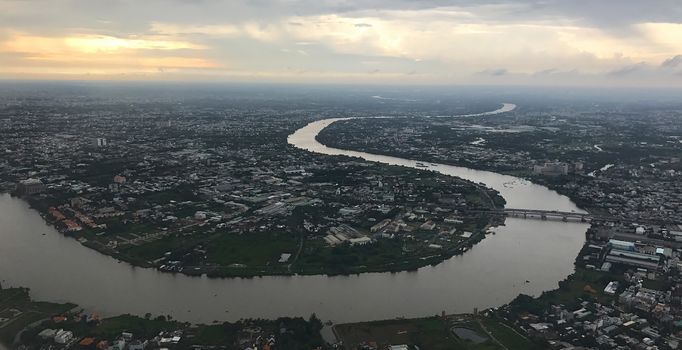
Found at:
<point>542,214</point>
<point>564,216</point>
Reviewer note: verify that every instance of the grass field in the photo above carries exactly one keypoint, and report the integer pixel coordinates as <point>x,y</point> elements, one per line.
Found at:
<point>427,333</point>
<point>154,250</point>
<point>430,333</point>
<point>257,249</point>
<point>110,327</point>
<point>214,335</point>
<point>506,335</point>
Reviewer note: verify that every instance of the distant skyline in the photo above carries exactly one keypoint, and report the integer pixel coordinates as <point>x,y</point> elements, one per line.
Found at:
<point>520,42</point>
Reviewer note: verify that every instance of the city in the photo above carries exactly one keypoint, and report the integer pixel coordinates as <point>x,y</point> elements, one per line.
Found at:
<point>202,196</point>
<point>340,174</point>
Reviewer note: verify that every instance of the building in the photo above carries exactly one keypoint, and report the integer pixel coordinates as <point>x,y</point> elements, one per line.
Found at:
<point>551,169</point>
<point>47,333</point>
<point>30,187</point>
<point>429,225</point>
<point>101,142</point>
<point>360,241</point>
<point>399,347</point>
<point>611,288</point>
<point>137,345</point>
<point>646,261</point>
<point>622,245</point>
<point>63,337</point>
<point>380,225</point>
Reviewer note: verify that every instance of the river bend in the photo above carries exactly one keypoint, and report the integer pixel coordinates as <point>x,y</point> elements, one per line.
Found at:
<point>56,268</point>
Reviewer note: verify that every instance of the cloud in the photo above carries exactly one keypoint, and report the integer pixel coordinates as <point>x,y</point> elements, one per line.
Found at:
<point>628,70</point>
<point>494,72</point>
<point>549,71</point>
<point>127,15</point>
<point>171,29</point>
<point>444,40</point>
<point>672,62</point>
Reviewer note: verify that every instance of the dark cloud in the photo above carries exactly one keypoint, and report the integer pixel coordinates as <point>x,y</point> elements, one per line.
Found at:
<point>131,16</point>
<point>628,70</point>
<point>547,71</point>
<point>494,72</point>
<point>611,15</point>
<point>672,62</point>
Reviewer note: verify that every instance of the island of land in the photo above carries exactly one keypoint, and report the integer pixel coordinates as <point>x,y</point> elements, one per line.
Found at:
<point>212,187</point>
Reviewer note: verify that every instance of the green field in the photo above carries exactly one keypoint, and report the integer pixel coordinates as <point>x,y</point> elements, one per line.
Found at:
<point>112,327</point>
<point>156,249</point>
<point>251,249</point>
<point>431,333</point>
<point>507,335</point>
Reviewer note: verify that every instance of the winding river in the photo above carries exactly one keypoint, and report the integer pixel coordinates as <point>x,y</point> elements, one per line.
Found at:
<point>525,256</point>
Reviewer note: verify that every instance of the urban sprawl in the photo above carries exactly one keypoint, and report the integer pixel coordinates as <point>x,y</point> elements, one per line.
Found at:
<point>212,187</point>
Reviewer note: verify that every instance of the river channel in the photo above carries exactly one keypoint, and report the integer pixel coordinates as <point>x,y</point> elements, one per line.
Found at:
<point>524,256</point>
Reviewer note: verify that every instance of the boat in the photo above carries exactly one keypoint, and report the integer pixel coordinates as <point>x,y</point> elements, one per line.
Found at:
<point>422,165</point>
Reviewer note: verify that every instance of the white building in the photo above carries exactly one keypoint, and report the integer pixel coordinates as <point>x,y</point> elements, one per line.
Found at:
<point>63,337</point>
<point>360,241</point>
<point>101,142</point>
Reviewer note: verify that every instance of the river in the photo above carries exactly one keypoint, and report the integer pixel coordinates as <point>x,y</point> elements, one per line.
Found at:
<point>56,268</point>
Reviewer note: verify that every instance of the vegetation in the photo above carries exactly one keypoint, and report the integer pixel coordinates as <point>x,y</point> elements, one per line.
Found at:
<point>506,335</point>
<point>433,333</point>
<point>257,249</point>
<point>582,285</point>
<point>20,314</point>
<point>20,311</point>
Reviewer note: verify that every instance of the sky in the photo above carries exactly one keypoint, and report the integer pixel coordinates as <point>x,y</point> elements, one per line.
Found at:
<point>459,42</point>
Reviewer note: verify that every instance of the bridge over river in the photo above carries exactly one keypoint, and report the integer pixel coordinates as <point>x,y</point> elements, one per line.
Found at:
<point>565,216</point>
<point>543,214</point>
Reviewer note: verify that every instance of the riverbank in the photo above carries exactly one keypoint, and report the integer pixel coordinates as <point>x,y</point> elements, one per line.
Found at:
<point>18,311</point>
<point>34,324</point>
<point>504,327</point>
<point>86,328</point>
<point>491,273</point>
<point>456,332</point>
<point>177,229</point>
<point>520,174</point>
<point>232,255</point>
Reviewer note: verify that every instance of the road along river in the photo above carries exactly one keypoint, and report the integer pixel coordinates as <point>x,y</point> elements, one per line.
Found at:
<point>56,268</point>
